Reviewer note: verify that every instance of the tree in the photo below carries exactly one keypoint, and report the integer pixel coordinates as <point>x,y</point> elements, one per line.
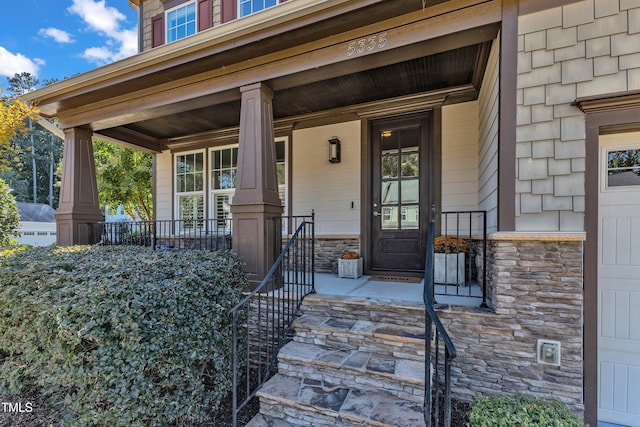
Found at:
<point>124,178</point>
<point>20,84</point>
<point>9,216</point>
<point>29,163</point>
<point>13,113</point>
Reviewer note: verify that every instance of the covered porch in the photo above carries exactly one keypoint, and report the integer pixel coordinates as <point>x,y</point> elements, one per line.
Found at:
<point>301,83</point>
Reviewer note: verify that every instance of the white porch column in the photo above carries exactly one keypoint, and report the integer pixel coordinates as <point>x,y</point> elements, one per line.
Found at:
<point>256,201</point>
<point>78,207</point>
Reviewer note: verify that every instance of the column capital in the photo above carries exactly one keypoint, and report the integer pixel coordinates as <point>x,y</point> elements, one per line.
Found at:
<point>258,86</point>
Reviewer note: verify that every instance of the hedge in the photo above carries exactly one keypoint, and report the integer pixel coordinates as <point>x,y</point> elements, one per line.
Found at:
<point>119,335</point>
<point>518,410</point>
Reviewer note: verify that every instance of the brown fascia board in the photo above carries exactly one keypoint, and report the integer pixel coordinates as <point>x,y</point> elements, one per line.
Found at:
<point>285,17</point>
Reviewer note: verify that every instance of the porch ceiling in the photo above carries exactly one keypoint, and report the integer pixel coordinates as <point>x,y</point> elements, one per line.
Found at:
<point>449,69</point>
<point>187,92</point>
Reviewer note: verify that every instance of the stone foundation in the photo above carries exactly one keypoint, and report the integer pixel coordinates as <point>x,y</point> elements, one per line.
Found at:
<point>328,249</point>
<point>536,294</point>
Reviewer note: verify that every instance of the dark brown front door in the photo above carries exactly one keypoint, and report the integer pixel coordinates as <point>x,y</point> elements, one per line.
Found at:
<point>400,199</point>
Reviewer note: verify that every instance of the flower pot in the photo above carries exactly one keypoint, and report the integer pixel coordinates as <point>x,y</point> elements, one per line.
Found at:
<point>350,268</point>
<point>448,269</point>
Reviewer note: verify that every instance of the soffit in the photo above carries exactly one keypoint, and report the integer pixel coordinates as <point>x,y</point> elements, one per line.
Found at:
<point>433,73</point>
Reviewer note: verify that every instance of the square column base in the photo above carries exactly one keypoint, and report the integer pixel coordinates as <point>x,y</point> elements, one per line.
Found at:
<point>77,228</point>
<point>254,238</point>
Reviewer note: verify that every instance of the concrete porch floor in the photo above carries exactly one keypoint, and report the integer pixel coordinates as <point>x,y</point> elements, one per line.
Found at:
<point>331,284</point>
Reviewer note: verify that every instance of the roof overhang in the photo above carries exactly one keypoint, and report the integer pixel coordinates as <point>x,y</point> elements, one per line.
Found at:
<point>182,88</point>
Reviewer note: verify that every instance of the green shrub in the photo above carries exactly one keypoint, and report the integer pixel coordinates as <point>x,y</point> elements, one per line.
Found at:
<point>518,410</point>
<point>119,335</point>
<point>9,216</point>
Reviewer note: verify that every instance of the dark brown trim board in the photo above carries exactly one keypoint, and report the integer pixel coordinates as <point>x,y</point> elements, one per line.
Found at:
<point>507,132</point>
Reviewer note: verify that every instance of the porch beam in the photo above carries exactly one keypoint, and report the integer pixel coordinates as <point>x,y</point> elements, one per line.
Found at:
<point>399,32</point>
<point>131,139</point>
<point>369,110</point>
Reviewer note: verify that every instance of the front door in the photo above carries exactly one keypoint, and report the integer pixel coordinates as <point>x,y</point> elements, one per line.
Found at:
<point>619,280</point>
<point>400,200</point>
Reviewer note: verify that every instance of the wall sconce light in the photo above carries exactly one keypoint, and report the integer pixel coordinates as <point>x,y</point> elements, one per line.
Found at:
<point>334,150</point>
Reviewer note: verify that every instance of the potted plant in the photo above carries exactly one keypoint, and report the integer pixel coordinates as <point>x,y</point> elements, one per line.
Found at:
<point>449,260</point>
<point>350,265</point>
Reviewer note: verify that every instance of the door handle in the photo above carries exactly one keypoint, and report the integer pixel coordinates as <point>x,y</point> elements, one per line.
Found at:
<point>376,213</point>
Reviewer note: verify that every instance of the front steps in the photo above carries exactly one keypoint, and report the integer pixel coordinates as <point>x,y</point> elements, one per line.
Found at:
<point>353,361</point>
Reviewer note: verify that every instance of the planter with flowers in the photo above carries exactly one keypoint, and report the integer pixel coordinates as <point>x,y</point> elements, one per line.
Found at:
<point>449,260</point>
<point>350,265</point>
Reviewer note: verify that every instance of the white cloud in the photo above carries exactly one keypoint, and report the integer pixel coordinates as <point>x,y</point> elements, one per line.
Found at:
<point>60,36</point>
<point>16,63</point>
<point>99,55</point>
<point>107,21</point>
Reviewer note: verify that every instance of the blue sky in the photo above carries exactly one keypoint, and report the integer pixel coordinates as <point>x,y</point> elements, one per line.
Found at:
<point>61,38</point>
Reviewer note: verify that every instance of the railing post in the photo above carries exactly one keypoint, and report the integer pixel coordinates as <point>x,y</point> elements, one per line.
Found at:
<point>433,326</point>
<point>484,261</point>
<point>313,251</point>
<point>447,388</point>
<point>234,366</point>
<point>428,330</point>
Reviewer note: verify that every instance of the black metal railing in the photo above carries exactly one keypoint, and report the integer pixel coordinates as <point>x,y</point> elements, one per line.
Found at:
<point>205,234</point>
<point>460,262</point>
<point>439,350</point>
<point>262,320</point>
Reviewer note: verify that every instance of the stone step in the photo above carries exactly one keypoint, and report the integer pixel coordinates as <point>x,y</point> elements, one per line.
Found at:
<point>396,312</point>
<point>354,369</point>
<point>318,403</point>
<point>261,420</point>
<point>383,339</point>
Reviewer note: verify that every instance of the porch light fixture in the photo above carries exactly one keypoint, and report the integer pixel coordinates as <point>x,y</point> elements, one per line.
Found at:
<point>334,150</point>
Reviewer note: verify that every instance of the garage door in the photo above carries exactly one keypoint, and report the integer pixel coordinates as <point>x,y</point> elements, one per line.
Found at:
<point>619,280</point>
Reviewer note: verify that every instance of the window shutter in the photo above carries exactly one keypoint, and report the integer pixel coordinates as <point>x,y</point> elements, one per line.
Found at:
<point>157,30</point>
<point>229,10</point>
<point>205,14</point>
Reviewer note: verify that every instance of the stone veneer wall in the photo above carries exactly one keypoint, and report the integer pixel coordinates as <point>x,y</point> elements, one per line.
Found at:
<point>150,9</point>
<point>586,48</point>
<point>329,249</point>
<point>536,293</point>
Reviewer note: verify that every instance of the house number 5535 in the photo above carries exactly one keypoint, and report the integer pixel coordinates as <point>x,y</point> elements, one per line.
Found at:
<point>367,44</point>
